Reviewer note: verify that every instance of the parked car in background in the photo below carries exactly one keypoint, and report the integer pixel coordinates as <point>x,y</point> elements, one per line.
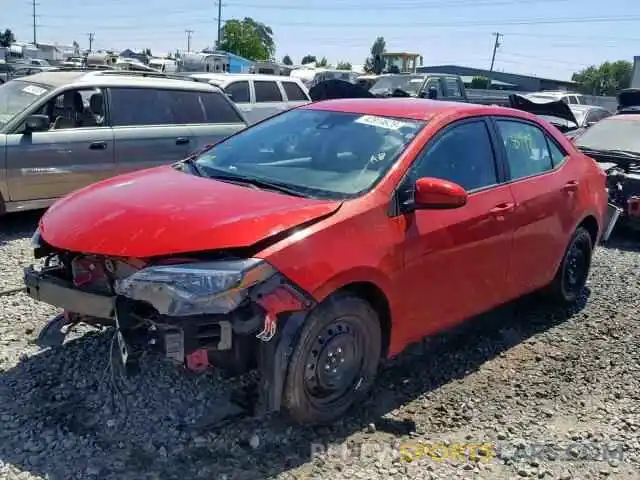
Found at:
<point>325,238</point>
<point>62,130</point>
<point>615,143</point>
<point>366,81</point>
<point>434,86</point>
<point>5,71</point>
<point>25,70</point>
<point>259,96</point>
<point>569,98</point>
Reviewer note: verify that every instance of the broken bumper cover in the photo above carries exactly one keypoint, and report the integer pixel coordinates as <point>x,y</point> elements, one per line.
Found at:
<point>49,289</point>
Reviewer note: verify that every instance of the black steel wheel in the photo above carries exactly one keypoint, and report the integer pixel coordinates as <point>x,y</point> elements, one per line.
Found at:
<point>335,360</point>
<point>573,272</point>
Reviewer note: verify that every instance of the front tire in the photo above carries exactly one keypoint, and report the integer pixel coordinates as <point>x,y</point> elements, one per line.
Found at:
<point>335,360</point>
<point>573,271</point>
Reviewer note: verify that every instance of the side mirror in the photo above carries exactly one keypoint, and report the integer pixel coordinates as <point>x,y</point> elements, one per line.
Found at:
<point>36,123</point>
<point>435,193</point>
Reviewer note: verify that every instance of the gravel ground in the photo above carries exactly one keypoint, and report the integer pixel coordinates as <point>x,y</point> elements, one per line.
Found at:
<point>518,378</point>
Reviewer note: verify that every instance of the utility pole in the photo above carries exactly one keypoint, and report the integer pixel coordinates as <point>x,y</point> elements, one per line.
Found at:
<point>189,33</point>
<point>35,39</point>
<point>493,57</point>
<point>219,23</point>
<point>495,49</point>
<point>91,36</point>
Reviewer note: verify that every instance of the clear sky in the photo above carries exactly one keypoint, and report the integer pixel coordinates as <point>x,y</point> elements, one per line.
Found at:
<point>551,38</point>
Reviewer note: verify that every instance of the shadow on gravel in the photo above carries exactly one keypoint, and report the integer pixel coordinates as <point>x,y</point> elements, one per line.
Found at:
<point>60,417</point>
<point>18,225</point>
<point>626,240</point>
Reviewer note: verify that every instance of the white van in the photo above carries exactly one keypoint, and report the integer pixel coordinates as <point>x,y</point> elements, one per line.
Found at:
<point>259,96</point>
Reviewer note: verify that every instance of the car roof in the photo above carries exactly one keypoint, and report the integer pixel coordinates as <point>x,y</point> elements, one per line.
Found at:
<point>582,108</point>
<point>626,116</point>
<point>409,108</point>
<point>228,77</point>
<point>81,78</point>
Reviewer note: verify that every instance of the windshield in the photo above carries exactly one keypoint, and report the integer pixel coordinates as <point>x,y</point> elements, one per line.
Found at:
<point>620,133</point>
<point>409,83</point>
<point>16,96</point>
<point>317,153</point>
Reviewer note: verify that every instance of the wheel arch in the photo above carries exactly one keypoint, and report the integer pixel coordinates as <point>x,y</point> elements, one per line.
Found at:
<point>590,223</point>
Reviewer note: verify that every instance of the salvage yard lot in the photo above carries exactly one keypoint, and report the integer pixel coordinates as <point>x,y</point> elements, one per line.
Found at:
<point>524,375</point>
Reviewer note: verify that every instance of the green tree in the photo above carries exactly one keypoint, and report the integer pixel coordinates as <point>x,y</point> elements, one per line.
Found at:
<point>323,62</point>
<point>7,38</point>
<point>375,63</point>
<point>248,38</point>
<point>308,59</point>
<point>607,79</point>
<point>479,82</point>
<point>287,60</point>
<point>343,66</point>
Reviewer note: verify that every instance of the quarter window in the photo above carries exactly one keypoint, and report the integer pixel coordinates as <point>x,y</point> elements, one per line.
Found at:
<point>463,155</point>
<point>239,92</point>
<point>294,92</point>
<point>267,91</point>
<point>526,148</point>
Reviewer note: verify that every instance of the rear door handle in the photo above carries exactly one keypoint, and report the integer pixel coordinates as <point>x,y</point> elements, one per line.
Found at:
<point>182,141</point>
<point>503,208</point>
<point>98,146</point>
<point>571,186</point>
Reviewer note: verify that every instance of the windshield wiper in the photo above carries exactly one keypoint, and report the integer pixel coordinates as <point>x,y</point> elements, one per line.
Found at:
<point>254,181</point>
<point>191,162</point>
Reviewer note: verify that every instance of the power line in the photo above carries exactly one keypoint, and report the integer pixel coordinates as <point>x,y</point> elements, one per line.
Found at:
<point>34,4</point>
<point>219,23</point>
<point>393,6</point>
<point>496,45</point>
<point>189,33</point>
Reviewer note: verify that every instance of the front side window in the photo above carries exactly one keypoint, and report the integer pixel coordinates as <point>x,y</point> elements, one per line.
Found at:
<point>75,108</point>
<point>463,155</point>
<point>267,91</point>
<point>16,96</point>
<point>526,148</point>
<point>318,153</point>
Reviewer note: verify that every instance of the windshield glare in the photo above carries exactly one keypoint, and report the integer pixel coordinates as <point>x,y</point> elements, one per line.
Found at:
<point>616,133</point>
<point>16,96</point>
<point>409,83</point>
<point>318,153</point>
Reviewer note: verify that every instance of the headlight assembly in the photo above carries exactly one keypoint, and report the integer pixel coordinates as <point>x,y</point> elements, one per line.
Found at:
<point>195,288</point>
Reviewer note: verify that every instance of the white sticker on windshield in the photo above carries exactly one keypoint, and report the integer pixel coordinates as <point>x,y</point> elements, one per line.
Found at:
<point>34,90</point>
<point>380,122</point>
<point>416,80</point>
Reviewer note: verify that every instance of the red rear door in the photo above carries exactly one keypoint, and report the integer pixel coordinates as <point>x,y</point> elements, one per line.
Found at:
<point>544,185</point>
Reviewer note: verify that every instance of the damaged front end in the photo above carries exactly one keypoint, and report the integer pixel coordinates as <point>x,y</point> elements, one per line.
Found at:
<point>199,311</point>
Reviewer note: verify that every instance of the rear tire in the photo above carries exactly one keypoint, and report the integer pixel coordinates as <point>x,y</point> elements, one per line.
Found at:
<point>335,360</point>
<point>573,271</point>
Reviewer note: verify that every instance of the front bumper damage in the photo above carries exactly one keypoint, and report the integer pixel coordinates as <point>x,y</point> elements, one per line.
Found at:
<point>259,333</point>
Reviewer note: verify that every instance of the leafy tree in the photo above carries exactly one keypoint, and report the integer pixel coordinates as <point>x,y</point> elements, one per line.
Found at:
<point>323,62</point>
<point>76,48</point>
<point>287,60</point>
<point>479,82</point>
<point>375,63</point>
<point>308,59</point>
<point>607,79</point>
<point>7,38</point>
<point>248,38</point>
<point>343,66</point>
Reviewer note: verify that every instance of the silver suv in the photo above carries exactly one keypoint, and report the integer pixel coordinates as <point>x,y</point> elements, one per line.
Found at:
<point>62,130</point>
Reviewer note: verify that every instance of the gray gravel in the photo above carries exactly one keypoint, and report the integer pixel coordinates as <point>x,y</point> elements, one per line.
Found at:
<point>522,376</point>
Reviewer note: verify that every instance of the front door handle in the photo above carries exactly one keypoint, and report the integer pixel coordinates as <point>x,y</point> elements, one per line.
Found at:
<point>502,208</point>
<point>98,146</point>
<point>571,186</point>
<point>182,141</point>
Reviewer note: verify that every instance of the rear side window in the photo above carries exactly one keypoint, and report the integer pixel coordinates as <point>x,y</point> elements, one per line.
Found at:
<point>526,148</point>
<point>148,106</point>
<point>239,92</point>
<point>267,91</point>
<point>294,92</point>
<point>452,87</point>
<point>557,154</point>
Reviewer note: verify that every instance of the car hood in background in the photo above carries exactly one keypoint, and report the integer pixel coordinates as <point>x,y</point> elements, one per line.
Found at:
<point>334,89</point>
<point>556,108</point>
<point>163,211</point>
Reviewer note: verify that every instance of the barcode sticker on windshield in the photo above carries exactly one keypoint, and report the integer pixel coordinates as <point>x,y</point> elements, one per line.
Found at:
<point>381,122</point>
<point>34,90</point>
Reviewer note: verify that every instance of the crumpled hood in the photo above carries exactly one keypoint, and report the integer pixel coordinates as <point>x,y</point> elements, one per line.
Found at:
<point>557,108</point>
<point>163,211</point>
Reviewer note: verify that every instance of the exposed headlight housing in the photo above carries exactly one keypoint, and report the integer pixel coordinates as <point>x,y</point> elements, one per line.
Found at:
<point>200,288</point>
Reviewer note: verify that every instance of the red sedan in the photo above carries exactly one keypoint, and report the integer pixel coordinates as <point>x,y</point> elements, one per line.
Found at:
<point>314,243</point>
